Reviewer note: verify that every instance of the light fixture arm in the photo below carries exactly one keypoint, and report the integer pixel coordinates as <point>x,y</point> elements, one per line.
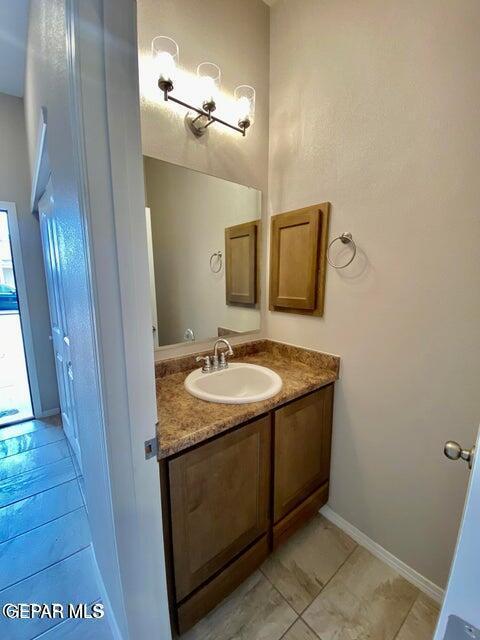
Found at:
<point>167,89</point>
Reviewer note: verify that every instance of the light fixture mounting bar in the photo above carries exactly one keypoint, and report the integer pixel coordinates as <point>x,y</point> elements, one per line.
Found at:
<point>201,112</point>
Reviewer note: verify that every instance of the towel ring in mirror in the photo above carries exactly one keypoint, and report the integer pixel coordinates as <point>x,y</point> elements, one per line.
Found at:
<point>345,238</point>
<point>219,262</point>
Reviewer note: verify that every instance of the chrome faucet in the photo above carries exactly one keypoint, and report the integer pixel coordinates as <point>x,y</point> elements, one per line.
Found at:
<point>216,362</point>
<point>222,362</point>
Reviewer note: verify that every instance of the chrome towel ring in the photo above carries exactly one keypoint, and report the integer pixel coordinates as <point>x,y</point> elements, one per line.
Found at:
<point>345,238</point>
<point>218,256</point>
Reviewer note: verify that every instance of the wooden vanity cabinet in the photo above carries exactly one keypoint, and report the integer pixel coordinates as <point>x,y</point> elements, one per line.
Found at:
<point>303,437</point>
<point>229,501</point>
<point>219,495</point>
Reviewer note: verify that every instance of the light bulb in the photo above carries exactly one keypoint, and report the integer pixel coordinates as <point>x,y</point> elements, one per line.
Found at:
<point>209,77</point>
<point>208,88</point>
<point>165,54</point>
<point>245,105</point>
<point>243,108</point>
<point>165,66</point>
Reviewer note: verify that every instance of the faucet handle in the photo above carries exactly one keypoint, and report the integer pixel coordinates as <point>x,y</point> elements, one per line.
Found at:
<point>223,358</point>
<point>207,366</point>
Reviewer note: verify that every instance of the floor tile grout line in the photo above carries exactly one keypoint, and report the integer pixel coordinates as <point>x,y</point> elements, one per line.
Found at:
<point>279,593</point>
<point>334,574</point>
<point>323,586</point>
<point>277,590</point>
<point>293,623</point>
<point>306,624</point>
<point>54,486</point>
<point>41,525</point>
<point>30,449</point>
<point>309,627</point>
<point>408,613</point>
<point>53,564</point>
<point>284,600</point>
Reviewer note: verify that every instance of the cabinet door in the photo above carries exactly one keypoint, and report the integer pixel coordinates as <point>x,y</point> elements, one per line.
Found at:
<point>303,433</point>
<point>298,257</point>
<point>241,263</point>
<point>219,502</point>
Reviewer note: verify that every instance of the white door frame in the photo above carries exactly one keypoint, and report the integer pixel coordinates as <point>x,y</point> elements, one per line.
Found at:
<point>16,246</point>
<point>105,115</point>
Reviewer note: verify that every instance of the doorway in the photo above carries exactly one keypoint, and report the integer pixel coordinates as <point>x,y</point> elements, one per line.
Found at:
<point>15,397</point>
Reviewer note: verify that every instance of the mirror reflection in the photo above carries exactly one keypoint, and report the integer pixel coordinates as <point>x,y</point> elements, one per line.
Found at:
<point>203,241</point>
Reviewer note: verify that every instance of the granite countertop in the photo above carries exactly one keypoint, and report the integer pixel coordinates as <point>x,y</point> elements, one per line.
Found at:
<point>185,420</point>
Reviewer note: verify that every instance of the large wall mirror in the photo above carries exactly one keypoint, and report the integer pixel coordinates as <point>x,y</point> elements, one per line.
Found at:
<point>204,238</point>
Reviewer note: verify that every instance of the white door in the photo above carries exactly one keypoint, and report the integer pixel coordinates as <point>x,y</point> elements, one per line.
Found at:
<point>460,614</point>
<point>58,318</point>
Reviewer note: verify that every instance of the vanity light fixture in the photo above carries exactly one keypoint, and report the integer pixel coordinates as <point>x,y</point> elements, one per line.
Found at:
<point>166,55</point>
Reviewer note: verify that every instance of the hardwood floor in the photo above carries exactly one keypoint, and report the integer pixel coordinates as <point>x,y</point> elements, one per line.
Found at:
<point>321,586</point>
<point>45,544</point>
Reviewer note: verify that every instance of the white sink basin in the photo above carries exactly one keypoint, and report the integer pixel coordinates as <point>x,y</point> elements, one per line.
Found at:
<point>238,384</point>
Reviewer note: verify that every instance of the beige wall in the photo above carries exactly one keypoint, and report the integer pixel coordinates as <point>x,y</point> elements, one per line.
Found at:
<point>189,214</point>
<point>215,31</point>
<point>374,107</point>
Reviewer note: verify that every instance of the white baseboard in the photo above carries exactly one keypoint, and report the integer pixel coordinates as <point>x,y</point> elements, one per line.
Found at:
<point>422,583</point>
<point>48,414</point>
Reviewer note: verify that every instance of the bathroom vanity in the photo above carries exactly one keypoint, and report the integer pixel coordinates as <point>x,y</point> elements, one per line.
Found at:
<point>238,480</point>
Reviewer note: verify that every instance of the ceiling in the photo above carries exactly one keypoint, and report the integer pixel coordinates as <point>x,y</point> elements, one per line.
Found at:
<point>270,2</point>
<point>13,39</point>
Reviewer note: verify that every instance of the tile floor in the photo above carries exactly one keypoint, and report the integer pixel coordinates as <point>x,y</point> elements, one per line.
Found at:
<point>321,586</point>
<point>45,543</point>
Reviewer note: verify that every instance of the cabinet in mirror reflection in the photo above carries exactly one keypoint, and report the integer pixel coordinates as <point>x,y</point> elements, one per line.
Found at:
<point>203,241</point>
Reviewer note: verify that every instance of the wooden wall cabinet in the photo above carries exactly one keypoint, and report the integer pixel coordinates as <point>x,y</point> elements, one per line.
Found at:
<point>298,260</point>
<point>230,501</point>
<point>241,263</point>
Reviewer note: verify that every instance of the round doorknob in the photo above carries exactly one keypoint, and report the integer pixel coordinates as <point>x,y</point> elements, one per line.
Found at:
<point>454,451</point>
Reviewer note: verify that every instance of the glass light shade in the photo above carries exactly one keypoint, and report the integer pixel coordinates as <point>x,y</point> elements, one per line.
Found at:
<point>165,54</point>
<point>209,77</point>
<point>245,105</point>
